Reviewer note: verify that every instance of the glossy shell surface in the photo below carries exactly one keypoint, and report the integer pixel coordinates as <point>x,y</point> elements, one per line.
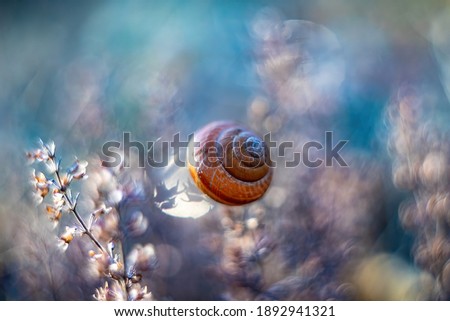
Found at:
<point>231,163</point>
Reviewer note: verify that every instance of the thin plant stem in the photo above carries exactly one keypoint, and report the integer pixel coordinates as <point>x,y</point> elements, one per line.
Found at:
<point>74,211</point>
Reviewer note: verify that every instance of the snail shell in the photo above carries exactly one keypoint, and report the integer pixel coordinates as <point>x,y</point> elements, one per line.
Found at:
<point>231,163</point>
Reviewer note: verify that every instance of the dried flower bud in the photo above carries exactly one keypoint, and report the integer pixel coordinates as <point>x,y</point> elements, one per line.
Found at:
<point>54,214</point>
<point>51,166</point>
<point>95,256</point>
<point>115,292</point>
<point>138,293</point>
<point>78,169</point>
<point>106,228</point>
<point>68,236</point>
<point>46,152</point>
<point>100,264</point>
<point>34,155</point>
<point>116,269</point>
<point>66,179</point>
<point>49,148</point>
<point>41,185</point>
<point>58,198</point>
<point>100,212</point>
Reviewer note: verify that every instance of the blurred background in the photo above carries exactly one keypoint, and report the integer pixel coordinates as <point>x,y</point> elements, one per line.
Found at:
<point>375,73</point>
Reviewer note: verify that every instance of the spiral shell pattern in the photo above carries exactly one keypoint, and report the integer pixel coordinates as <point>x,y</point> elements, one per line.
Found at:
<point>231,164</point>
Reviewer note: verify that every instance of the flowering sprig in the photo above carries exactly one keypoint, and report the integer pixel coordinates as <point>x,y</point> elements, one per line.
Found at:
<point>62,200</point>
<point>101,226</point>
<point>114,292</point>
